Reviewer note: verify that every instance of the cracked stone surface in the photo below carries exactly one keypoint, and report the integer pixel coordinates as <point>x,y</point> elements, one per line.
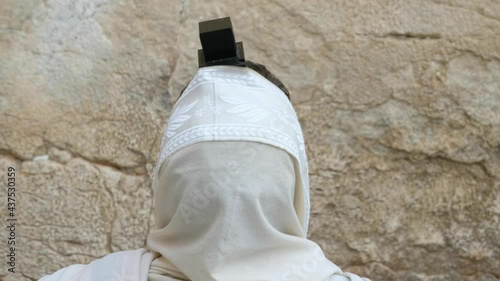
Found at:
<point>399,103</point>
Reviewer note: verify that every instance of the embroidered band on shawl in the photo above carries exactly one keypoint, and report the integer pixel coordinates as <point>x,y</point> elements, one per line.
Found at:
<point>254,110</point>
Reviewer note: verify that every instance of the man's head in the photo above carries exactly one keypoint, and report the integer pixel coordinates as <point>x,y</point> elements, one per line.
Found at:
<point>262,70</point>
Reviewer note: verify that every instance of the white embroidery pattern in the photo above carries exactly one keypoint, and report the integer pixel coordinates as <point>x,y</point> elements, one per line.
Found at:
<point>210,73</point>
<point>245,107</point>
<point>178,117</point>
<point>255,110</point>
<point>228,132</point>
<point>208,105</point>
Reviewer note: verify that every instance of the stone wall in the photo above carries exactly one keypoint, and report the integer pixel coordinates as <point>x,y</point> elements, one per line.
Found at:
<point>399,103</point>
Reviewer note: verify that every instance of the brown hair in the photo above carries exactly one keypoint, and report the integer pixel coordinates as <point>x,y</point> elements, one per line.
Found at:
<point>262,70</point>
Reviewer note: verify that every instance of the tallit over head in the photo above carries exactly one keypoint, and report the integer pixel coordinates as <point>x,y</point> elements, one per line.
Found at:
<point>224,103</point>
<point>231,186</point>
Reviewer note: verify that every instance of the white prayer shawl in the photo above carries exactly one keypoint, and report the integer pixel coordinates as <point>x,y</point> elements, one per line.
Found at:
<point>120,266</point>
<point>232,188</point>
<point>220,216</point>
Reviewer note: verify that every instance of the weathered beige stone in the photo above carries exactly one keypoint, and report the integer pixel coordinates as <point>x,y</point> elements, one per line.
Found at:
<point>399,102</point>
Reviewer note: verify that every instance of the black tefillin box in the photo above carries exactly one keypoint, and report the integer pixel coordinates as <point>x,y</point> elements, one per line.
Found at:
<point>219,45</point>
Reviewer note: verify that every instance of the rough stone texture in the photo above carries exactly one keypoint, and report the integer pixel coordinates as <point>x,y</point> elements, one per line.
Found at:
<point>399,103</point>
